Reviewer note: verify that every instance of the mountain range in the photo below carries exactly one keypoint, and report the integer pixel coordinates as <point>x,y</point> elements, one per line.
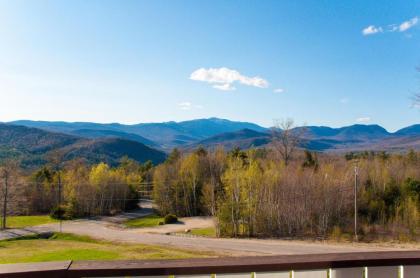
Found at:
<point>321,138</point>
<point>165,135</point>
<point>34,140</point>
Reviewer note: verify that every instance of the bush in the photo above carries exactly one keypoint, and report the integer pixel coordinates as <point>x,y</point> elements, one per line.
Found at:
<point>170,219</point>
<point>161,223</point>
<point>58,213</point>
<point>70,210</point>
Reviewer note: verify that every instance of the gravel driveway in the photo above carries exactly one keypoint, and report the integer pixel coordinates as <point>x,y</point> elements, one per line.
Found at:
<point>109,228</point>
<point>237,247</point>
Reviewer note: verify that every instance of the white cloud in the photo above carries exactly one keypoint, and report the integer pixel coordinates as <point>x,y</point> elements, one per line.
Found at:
<point>404,26</point>
<point>224,78</point>
<point>225,87</point>
<point>279,90</point>
<point>186,105</point>
<point>363,119</point>
<point>370,30</point>
<point>408,24</point>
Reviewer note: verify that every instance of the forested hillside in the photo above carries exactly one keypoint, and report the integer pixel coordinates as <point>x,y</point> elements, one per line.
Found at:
<point>33,147</point>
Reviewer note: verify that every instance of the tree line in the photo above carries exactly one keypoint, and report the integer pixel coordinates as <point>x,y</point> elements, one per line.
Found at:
<point>71,190</point>
<point>278,191</point>
<point>258,193</point>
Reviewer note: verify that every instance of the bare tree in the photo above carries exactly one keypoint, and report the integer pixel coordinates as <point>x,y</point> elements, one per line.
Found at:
<point>285,138</point>
<point>8,176</point>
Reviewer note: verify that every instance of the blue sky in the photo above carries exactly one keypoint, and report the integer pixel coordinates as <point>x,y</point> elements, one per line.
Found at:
<point>330,63</point>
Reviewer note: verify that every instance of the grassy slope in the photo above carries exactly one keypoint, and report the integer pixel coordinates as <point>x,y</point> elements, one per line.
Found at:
<point>147,221</point>
<point>26,221</point>
<point>72,247</point>
<point>206,232</point>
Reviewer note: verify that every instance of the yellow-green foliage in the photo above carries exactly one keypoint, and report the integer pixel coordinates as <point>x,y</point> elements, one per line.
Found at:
<point>251,193</point>
<point>86,190</point>
<point>254,193</point>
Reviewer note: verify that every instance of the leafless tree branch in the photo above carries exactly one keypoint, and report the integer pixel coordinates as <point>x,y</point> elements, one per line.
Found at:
<point>285,138</point>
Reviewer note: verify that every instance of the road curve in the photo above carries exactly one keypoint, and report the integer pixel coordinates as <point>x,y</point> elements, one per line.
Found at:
<point>110,228</point>
<point>236,247</point>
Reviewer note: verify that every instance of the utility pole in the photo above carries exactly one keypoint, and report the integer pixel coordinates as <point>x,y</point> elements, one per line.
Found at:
<point>59,199</point>
<point>356,172</point>
<point>5,193</point>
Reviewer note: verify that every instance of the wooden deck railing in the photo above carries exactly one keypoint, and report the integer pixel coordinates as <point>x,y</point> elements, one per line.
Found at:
<point>403,264</point>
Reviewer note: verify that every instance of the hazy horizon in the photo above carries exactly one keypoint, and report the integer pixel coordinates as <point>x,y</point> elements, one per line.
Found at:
<point>194,119</point>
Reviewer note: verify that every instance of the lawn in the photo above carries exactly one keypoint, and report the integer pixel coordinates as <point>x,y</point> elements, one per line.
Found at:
<point>206,232</point>
<point>147,221</point>
<point>71,247</point>
<point>27,221</point>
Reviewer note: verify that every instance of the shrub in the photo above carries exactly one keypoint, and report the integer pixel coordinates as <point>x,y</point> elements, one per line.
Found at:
<point>70,211</point>
<point>58,212</point>
<point>170,219</point>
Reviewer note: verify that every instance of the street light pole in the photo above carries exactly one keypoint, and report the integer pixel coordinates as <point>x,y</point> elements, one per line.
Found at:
<point>356,170</point>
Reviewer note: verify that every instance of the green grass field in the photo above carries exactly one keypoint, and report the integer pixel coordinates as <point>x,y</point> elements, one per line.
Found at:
<point>27,221</point>
<point>206,232</point>
<point>72,247</point>
<point>147,221</point>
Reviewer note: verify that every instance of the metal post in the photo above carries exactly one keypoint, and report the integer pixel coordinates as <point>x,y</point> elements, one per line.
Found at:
<point>355,201</point>
<point>6,185</point>
<point>59,199</point>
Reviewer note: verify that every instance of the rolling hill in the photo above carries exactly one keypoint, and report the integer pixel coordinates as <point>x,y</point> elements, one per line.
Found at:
<point>348,133</point>
<point>32,146</point>
<point>98,133</point>
<point>32,139</point>
<point>166,135</point>
<point>111,150</point>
